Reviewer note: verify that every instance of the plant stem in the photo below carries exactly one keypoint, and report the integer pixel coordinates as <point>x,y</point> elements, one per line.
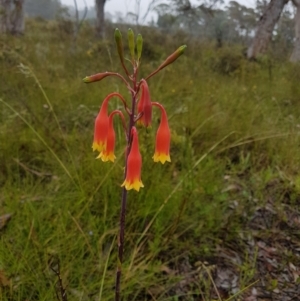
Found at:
<point>124,193</point>
<point>121,242</point>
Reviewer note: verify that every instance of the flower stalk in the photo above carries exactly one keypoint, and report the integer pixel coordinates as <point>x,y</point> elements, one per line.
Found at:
<point>124,193</point>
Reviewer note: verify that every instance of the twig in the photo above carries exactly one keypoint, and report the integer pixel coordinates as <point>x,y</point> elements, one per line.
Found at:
<point>63,292</point>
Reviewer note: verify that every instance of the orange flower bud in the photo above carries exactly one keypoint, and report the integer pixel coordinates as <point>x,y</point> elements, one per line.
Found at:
<point>108,154</point>
<point>173,57</point>
<point>96,77</point>
<point>170,59</point>
<point>145,105</point>
<point>134,165</point>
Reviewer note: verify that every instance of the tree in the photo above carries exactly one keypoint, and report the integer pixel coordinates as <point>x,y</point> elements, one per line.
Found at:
<point>5,7</point>
<point>242,20</point>
<point>12,16</point>
<point>284,32</point>
<point>295,57</point>
<point>17,18</point>
<point>100,21</point>
<point>265,28</point>
<point>204,20</point>
<point>46,9</point>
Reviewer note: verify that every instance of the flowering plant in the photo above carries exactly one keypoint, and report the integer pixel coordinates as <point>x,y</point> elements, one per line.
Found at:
<point>139,112</point>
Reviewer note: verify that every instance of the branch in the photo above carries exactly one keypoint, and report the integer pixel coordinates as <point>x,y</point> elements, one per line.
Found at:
<point>76,12</point>
<point>150,7</point>
<point>84,15</point>
<point>296,3</point>
<point>63,292</point>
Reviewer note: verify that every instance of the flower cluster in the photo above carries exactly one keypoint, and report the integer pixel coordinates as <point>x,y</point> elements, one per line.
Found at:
<point>139,112</point>
<point>104,135</point>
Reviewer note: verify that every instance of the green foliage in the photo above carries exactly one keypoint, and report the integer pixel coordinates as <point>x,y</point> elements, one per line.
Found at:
<point>226,60</point>
<point>226,24</point>
<point>235,146</point>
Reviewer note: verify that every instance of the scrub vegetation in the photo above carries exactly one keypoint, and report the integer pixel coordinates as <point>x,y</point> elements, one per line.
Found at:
<point>219,222</point>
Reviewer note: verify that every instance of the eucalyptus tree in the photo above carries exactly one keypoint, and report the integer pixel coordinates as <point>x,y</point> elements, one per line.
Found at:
<point>284,32</point>
<point>295,57</point>
<point>12,16</point>
<point>265,28</point>
<point>203,18</point>
<point>100,18</point>
<point>242,19</point>
<point>266,25</point>
<point>5,8</point>
<point>46,9</point>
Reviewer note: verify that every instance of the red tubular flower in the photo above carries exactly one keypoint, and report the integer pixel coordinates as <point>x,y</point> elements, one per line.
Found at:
<point>101,124</point>
<point>101,127</point>
<point>134,165</point>
<point>163,138</point>
<point>108,154</point>
<point>145,105</point>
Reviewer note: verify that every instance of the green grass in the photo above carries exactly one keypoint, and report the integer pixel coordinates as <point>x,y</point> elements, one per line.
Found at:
<point>234,135</point>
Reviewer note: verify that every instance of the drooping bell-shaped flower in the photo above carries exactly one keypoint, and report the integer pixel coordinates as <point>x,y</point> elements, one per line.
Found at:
<point>163,138</point>
<point>108,154</point>
<point>101,124</point>
<point>145,105</point>
<point>134,165</point>
<point>101,127</point>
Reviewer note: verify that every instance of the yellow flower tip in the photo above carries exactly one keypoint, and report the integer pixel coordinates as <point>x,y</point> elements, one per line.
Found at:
<point>181,49</point>
<point>87,79</point>
<point>136,184</point>
<point>112,157</point>
<point>98,147</point>
<point>106,157</point>
<point>140,122</point>
<point>161,158</point>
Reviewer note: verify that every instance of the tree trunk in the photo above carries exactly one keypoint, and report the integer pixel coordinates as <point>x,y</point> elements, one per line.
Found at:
<point>17,18</point>
<point>295,57</point>
<point>5,7</point>
<point>12,17</point>
<point>100,22</point>
<point>265,28</point>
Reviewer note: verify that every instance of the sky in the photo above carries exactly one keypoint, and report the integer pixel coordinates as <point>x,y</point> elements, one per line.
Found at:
<point>126,6</point>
